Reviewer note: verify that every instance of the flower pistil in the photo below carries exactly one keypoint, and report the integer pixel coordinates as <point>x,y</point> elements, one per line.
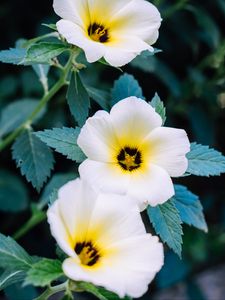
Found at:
<point>98,33</point>
<point>87,253</point>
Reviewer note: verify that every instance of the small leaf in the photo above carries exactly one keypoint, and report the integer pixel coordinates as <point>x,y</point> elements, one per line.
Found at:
<point>53,186</point>
<point>64,141</point>
<point>99,96</point>
<point>78,99</point>
<point>34,158</point>
<point>203,161</point>
<point>13,56</point>
<point>51,26</point>
<point>13,256</point>
<point>44,272</point>
<point>159,107</point>
<point>10,277</point>
<point>189,207</point>
<point>13,195</point>
<point>99,292</point>
<point>124,87</point>
<point>42,53</point>
<point>166,221</point>
<point>14,114</point>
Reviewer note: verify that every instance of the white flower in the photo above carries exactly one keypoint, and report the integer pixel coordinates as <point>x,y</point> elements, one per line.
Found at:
<point>106,242</point>
<point>130,153</point>
<point>117,30</point>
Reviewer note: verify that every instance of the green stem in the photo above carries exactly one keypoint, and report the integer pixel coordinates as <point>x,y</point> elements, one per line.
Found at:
<point>45,99</point>
<point>36,218</point>
<point>52,290</point>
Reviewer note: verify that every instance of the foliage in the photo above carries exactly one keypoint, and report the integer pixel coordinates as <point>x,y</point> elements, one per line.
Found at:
<point>64,140</point>
<point>167,223</point>
<point>44,272</point>
<point>189,76</point>
<point>33,157</point>
<point>124,87</point>
<point>203,161</point>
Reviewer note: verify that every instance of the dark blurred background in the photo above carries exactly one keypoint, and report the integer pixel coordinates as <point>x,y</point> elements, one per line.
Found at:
<point>189,76</point>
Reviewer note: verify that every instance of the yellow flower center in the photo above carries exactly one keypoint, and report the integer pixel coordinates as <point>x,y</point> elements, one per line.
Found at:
<point>98,33</point>
<point>87,253</point>
<point>129,159</point>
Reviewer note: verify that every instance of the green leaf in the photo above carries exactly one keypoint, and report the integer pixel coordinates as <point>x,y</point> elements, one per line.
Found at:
<point>203,161</point>
<point>166,221</point>
<point>99,96</point>
<point>78,99</point>
<point>189,207</point>
<point>159,107</point>
<point>44,272</point>
<point>53,186</point>
<point>51,26</point>
<point>10,277</point>
<point>13,195</point>
<point>13,56</point>
<point>13,256</point>
<point>99,292</point>
<point>64,141</point>
<point>33,157</point>
<point>18,292</point>
<point>124,87</point>
<point>14,114</point>
<point>42,53</point>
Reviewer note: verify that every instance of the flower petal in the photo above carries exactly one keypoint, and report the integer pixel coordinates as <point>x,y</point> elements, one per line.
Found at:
<point>104,10</point>
<point>77,36</point>
<point>169,146</point>
<point>74,11</point>
<point>75,203</point>
<point>127,271</point>
<point>97,138</point>
<point>154,186</point>
<point>105,177</point>
<point>120,215</point>
<point>133,119</point>
<point>123,49</point>
<point>139,18</point>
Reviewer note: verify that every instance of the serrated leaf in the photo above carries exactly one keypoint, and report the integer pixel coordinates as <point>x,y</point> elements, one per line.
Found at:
<point>42,53</point>
<point>14,114</point>
<point>13,56</point>
<point>13,193</point>
<point>124,87</point>
<point>13,256</point>
<point>159,107</point>
<point>44,272</point>
<point>189,207</point>
<point>166,221</point>
<point>64,141</point>
<point>205,161</point>
<point>53,186</point>
<point>78,99</point>
<point>99,292</point>
<point>33,157</point>
<point>10,277</point>
<point>99,96</point>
